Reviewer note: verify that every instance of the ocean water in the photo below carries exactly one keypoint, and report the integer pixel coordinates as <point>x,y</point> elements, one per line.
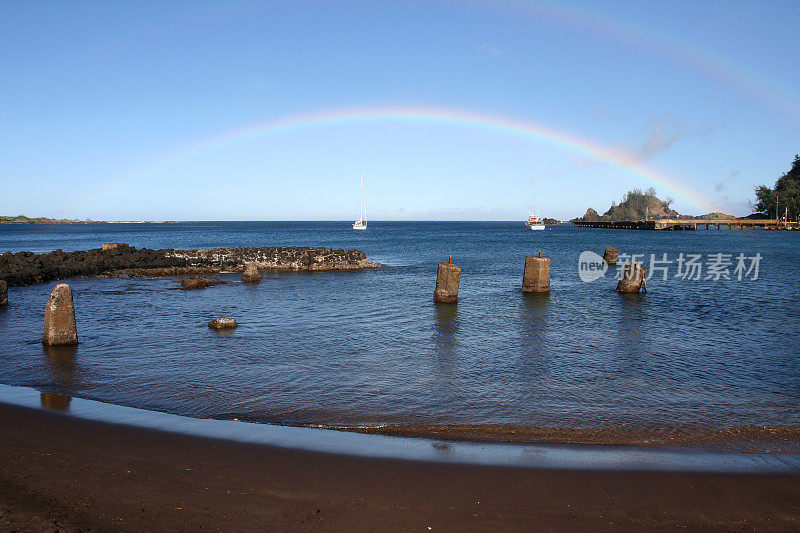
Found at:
<point>711,362</point>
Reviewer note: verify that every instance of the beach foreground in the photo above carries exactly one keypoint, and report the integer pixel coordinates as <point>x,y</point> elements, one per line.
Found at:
<point>66,473</point>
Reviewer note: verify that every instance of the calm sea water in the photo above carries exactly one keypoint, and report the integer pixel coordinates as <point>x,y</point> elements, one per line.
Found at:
<point>692,361</point>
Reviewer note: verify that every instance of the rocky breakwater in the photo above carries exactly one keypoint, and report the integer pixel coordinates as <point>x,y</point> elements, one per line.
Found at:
<point>274,258</point>
<point>25,268</point>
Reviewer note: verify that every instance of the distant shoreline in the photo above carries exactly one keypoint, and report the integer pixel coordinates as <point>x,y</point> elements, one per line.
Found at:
<point>22,219</point>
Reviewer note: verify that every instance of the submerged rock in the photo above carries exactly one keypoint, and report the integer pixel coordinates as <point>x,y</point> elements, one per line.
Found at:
<point>194,283</point>
<point>59,318</point>
<point>251,274</point>
<point>223,323</point>
<point>3,293</point>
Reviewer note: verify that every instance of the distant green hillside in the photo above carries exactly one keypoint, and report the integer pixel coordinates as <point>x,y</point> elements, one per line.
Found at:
<point>22,219</point>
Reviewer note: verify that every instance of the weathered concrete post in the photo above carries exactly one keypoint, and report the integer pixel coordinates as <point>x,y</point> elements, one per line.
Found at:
<point>3,293</point>
<point>59,318</point>
<point>610,256</point>
<point>536,277</point>
<point>223,323</point>
<point>448,277</point>
<point>251,274</point>
<point>632,278</point>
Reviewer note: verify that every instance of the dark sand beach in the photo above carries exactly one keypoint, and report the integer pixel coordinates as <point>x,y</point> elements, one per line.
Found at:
<point>59,472</point>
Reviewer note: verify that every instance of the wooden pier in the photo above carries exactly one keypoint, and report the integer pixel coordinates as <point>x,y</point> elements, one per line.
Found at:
<point>678,224</point>
<point>622,224</point>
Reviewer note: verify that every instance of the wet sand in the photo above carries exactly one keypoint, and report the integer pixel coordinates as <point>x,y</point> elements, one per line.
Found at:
<point>66,473</point>
<point>742,438</point>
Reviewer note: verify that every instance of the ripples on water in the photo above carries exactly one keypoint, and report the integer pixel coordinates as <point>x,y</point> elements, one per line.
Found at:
<point>690,362</point>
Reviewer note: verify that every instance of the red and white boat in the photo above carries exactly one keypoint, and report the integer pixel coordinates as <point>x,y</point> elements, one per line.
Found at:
<point>534,222</point>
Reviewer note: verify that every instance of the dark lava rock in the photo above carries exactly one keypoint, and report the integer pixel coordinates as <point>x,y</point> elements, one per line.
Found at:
<point>194,283</point>
<point>24,268</point>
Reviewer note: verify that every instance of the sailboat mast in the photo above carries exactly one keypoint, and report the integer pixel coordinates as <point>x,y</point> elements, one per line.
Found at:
<point>363,202</point>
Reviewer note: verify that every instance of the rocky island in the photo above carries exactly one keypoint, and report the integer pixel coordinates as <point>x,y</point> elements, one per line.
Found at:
<point>643,205</point>
<point>117,259</point>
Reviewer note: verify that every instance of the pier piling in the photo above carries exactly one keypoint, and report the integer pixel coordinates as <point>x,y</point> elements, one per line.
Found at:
<point>610,256</point>
<point>632,278</point>
<point>536,277</point>
<point>59,318</point>
<point>448,277</point>
<point>251,274</point>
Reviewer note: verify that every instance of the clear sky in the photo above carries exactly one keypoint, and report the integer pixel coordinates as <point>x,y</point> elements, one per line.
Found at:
<point>198,110</point>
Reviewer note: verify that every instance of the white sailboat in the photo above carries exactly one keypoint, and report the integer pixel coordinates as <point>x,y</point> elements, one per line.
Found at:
<point>361,223</point>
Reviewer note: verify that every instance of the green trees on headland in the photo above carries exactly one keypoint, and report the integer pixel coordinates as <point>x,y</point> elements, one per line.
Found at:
<point>782,199</point>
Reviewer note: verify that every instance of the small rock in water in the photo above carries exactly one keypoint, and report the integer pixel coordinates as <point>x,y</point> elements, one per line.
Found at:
<point>59,318</point>
<point>3,293</point>
<point>194,283</point>
<point>222,323</point>
<point>251,274</point>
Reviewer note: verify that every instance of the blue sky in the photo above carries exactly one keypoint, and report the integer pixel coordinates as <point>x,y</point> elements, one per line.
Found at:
<point>98,99</point>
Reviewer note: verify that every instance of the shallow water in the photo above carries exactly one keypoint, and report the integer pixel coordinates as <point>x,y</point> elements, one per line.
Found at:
<point>707,362</point>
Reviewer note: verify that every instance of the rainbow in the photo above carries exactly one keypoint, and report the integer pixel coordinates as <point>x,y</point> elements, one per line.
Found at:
<point>530,131</point>
<point>734,73</point>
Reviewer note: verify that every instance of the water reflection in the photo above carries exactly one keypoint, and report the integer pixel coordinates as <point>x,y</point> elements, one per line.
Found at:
<point>630,322</point>
<point>533,361</point>
<point>446,327</point>
<point>442,448</point>
<point>62,364</point>
<point>56,402</point>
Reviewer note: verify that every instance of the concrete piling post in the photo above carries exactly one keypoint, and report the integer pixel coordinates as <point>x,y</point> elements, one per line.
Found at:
<point>59,318</point>
<point>3,293</point>
<point>251,274</point>
<point>632,278</point>
<point>536,277</point>
<point>610,256</point>
<point>448,277</point>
